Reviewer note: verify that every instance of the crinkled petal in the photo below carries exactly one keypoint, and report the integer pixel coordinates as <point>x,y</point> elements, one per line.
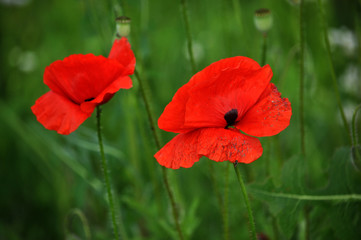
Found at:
<point>82,77</point>
<point>122,52</point>
<point>215,143</point>
<point>220,144</point>
<point>181,151</point>
<point>232,83</point>
<point>56,112</point>
<point>269,116</point>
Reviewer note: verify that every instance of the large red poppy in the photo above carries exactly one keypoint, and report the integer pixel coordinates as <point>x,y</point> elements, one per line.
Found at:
<point>79,83</point>
<point>211,110</point>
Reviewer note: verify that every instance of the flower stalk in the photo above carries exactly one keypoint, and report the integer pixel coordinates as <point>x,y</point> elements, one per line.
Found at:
<point>302,77</point>
<point>107,180</point>
<point>251,225</point>
<point>226,204</point>
<point>158,144</point>
<point>189,36</point>
<point>354,136</point>
<point>332,69</point>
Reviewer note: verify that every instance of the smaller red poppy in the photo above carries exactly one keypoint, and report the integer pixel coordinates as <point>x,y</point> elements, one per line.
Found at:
<point>79,83</point>
<point>229,96</point>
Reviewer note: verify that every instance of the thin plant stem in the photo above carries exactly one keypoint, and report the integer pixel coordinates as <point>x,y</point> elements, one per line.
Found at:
<point>302,101</point>
<point>275,228</point>
<point>354,134</point>
<point>332,69</point>
<point>236,8</point>
<point>225,204</point>
<point>264,50</point>
<point>302,76</point>
<point>107,178</point>
<point>77,212</point>
<point>341,197</point>
<point>215,185</point>
<point>194,70</point>
<point>158,144</point>
<point>221,202</point>
<point>172,201</point>
<point>149,111</point>
<point>189,36</point>
<point>252,226</point>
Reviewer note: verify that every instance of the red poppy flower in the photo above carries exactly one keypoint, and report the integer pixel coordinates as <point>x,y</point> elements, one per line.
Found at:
<point>209,111</point>
<point>79,83</point>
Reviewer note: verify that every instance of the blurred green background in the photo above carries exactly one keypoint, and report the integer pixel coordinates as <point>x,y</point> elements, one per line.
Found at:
<point>51,185</point>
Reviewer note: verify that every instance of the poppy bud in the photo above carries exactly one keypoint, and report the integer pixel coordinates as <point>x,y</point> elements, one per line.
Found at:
<point>123,26</point>
<point>263,19</point>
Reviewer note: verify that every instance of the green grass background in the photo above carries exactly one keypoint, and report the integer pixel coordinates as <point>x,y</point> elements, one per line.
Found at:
<point>49,182</point>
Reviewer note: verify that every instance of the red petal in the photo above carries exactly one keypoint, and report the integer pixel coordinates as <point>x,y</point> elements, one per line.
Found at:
<point>123,82</point>
<point>215,143</point>
<point>181,151</point>
<point>82,77</point>
<point>220,144</point>
<point>269,116</point>
<point>122,52</point>
<point>232,83</point>
<point>56,112</point>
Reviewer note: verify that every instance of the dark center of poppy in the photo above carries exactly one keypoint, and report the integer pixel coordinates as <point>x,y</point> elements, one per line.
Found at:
<point>89,99</point>
<point>231,117</point>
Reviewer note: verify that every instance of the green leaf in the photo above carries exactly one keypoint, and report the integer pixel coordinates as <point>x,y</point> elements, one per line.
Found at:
<point>342,175</point>
<point>286,210</point>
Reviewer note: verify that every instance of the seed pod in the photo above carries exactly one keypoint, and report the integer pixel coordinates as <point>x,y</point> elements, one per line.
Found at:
<point>123,26</point>
<point>263,19</point>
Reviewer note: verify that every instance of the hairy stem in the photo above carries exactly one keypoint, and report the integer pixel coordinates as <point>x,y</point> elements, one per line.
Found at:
<point>354,136</point>
<point>225,204</point>
<point>157,140</point>
<point>252,226</point>
<point>302,76</point>
<point>189,36</point>
<point>332,69</point>
<point>354,130</point>
<point>107,178</point>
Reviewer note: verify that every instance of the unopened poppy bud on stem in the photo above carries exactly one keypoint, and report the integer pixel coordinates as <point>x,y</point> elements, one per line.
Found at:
<point>123,26</point>
<point>263,20</point>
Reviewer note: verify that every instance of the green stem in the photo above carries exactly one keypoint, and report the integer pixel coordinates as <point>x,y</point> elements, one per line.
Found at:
<point>264,50</point>
<point>225,204</point>
<point>345,197</point>
<point>252,226</point>
<point>302,76</point>
<point>83,220</point>
<point>332,69</point>
<point>215,185</point>
<point>354,137</point>
<point>106,177</point>
<point>302,100</point>
<point>354,134</point>
<point>157,140</point>
<point>172,201</point>
<point>189,36</point>
<point>275,228</point>
<point>148,109</point>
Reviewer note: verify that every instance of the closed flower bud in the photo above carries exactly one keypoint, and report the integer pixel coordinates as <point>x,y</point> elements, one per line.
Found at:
<point>123,26</point>
<point>263,19</point>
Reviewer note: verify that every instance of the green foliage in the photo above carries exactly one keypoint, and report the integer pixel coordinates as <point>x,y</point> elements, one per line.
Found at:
<point>45,176</point>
